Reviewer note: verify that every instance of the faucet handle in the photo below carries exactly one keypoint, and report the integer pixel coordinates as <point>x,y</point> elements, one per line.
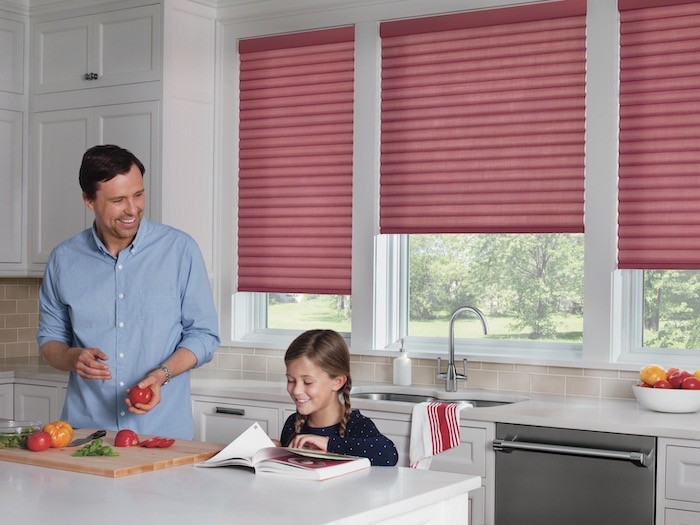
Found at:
<point>440,375</point>
<point>464,367</point>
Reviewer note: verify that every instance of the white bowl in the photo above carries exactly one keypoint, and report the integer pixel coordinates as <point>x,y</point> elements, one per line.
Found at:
<point>668,399</point>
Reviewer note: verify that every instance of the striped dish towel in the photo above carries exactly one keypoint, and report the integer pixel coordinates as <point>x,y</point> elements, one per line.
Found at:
<point>434,429</point>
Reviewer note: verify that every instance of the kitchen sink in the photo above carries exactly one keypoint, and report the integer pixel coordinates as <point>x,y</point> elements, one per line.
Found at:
<point>478,399</point>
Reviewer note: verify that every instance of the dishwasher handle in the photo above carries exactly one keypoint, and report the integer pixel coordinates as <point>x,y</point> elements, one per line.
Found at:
<point>638,458</point>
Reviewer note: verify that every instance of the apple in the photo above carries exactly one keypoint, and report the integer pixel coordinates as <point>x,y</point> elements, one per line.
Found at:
<point>697,373</point>
<point>38,441</point>
<point>662,384</point>
<point>691,383</point>
<point>676,378</point>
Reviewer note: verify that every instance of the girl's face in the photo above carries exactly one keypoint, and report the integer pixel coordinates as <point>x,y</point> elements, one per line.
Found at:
<point>314,392</point>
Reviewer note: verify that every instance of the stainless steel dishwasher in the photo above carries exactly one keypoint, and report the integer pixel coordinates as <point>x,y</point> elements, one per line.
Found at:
<point>569,477</point>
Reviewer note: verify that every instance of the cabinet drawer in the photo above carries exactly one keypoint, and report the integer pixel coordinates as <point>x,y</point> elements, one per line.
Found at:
<point>681,517</point>
<point>683,473</point>
<point>223,422</point>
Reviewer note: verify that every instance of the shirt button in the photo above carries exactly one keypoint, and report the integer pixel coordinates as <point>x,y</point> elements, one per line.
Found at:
<point>121,355</point>
<point>121,325</point>
<point>122,413</point>
<point>121,383</point>
<point>119,267</point>
<point>121,296</point>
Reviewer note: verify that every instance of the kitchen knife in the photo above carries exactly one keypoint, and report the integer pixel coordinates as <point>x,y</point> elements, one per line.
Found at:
<point>82,441</point>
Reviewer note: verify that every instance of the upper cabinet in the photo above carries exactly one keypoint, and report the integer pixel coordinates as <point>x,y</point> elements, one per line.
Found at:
<point>105,49</point>
<point>12,56</point>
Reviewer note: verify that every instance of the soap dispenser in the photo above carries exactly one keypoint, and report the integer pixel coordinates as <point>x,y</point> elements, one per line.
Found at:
<point>402,368</point>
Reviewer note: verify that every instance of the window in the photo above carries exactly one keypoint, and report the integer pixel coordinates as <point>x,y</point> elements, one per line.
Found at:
<point>308,311</point>
<point>530,287</point>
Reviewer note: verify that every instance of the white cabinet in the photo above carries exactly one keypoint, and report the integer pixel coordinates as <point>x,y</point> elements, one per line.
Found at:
<point>60,139</point>
<point>12,56</point>
<point>34,402</point>
<point>678,484</point>
<point>221,420</point>
<point>7,401</point>
<point>105,49</point>
<point>11,179</point>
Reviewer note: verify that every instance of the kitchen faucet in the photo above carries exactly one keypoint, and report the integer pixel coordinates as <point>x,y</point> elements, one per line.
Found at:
<point>451,376</point>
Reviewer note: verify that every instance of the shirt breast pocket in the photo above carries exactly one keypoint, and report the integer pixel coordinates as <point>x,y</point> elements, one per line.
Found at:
<point>159,309</point>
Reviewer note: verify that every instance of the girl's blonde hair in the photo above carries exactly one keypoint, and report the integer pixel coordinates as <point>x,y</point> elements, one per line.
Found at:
<point>327,350</point>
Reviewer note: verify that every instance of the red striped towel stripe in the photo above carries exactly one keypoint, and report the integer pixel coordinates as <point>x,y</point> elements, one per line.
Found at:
<point>444,426</point>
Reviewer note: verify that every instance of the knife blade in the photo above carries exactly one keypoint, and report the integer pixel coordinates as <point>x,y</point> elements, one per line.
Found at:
<point>82,441</point>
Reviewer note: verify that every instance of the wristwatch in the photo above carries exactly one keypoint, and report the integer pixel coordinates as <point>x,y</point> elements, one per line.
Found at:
<point>168,375</point>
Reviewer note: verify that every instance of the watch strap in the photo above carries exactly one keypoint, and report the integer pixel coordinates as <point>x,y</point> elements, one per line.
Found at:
<point>168,375</point>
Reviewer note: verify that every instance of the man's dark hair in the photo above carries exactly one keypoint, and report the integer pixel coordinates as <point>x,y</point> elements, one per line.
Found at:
<point>103,163</point>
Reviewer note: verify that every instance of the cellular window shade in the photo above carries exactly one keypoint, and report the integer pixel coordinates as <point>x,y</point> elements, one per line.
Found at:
<point>295,163</point>
<point>659,149</point>
<point>483,121</point>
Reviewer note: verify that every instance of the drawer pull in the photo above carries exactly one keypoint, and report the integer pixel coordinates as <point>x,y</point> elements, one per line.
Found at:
<point>230,411</point>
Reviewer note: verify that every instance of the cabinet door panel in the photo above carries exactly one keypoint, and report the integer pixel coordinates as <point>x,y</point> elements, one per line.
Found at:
<point>61,139</point>
<point>10,186</point>
<point>128,46</point>
<point>134,127</point>
<point>62,54</point>
<point>12,56</point>
<point>36,403</point>
<point>683,473</point>
<point>7,407</point>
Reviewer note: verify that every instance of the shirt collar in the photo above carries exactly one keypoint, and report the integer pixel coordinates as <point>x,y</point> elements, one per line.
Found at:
<point>135,246</point>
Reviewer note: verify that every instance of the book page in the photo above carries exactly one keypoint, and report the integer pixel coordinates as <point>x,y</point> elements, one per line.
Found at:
<point>242,449</point>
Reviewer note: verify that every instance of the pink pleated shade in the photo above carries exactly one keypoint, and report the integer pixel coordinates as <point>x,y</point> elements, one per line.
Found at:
<point>295,163</point>
<point>483,121</point>
<point>659,156</point>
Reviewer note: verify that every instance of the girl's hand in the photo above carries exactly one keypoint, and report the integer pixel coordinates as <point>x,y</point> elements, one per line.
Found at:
<point>309,441</point>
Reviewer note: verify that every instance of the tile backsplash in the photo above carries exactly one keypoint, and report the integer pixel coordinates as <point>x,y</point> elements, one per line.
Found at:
<point>19,314</point>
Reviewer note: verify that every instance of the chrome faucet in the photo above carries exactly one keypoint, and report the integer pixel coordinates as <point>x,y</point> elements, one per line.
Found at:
<point>451,376</point>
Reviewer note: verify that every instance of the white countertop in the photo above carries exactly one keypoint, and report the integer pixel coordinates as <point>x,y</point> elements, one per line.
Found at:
<point>585,413</point>
<point>189,494</point>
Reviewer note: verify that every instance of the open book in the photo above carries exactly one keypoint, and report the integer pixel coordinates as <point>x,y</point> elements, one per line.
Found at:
<point>256,450</point>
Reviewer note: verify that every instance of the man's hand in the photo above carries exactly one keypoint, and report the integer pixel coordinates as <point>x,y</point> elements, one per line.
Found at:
<point>88,363</point>
<point>150,381</point>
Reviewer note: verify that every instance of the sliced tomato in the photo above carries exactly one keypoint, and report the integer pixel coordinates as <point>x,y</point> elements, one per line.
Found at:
<point>157,442</point>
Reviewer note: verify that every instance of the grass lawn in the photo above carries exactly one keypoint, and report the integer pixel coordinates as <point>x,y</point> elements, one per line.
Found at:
<point>319,313</point>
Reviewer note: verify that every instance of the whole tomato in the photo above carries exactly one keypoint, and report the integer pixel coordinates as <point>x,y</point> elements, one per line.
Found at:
<point>677,377</point>
<point>691,383</point>
<point>126,438</point>
<point>38,441</point>
<point>662,384</point>
<point>140,395</point>
<point>61,433</point>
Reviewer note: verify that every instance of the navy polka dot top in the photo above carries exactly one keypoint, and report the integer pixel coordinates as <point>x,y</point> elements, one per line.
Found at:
<point>362,438</point>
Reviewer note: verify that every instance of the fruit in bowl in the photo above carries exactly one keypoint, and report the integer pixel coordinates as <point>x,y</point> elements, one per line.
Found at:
<point>674,390</point>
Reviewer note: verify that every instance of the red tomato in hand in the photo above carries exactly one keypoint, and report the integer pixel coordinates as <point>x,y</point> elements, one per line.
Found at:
<point>140,395</point>
<point>126,438</point>
<point>38,441</point>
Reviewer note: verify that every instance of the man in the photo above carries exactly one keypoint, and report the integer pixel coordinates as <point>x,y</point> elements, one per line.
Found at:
<point>125,303</point>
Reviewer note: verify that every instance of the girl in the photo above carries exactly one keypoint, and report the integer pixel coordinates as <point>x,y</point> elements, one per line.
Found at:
<point>318,381</point>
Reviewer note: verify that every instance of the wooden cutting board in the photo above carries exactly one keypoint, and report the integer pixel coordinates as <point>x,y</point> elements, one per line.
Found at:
<point>131,460</point>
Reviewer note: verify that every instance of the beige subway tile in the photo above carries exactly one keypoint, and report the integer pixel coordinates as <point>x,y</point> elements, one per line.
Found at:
<point>8,307</point>
<point>362,371</point>
<point>34,291</point>
<point>270,352</point>
<point>243,351</point>
<point>506,367</point>
<point>565,371</point>
<point>374,358</point>
<point>2,291</point>
<point>17,350</point>
<point>531,369</point>
<point>33,348</point>
<point>621,388</point>
<point>384,372</point>
<point>17,292</point>
<point>8,335</point>
<point>17,321</point>
<point>514,381</point>
<point>582,386</point>
<point>423,375</point>
<point>629,374</point>
<point>255,376</point>
<point>596,372</point>
<point>254,363</point>
<point>2,350</point>
<point>27,306</point>
<point>229,361</point>
<point>482,379</point>
<point>3,319</point>
<point>275,365</point>
<point>548,384</point>
<point>26,334</point>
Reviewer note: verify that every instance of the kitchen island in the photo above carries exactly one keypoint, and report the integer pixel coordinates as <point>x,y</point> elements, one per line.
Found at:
<point>190,494</point>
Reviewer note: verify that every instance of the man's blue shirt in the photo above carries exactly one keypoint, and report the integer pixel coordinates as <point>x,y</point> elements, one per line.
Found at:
<point>137,309</point>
